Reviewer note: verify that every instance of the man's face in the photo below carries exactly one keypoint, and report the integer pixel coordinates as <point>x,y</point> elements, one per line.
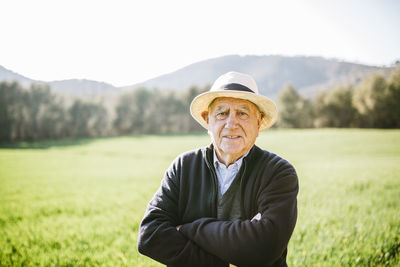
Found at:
<point>233,126</point>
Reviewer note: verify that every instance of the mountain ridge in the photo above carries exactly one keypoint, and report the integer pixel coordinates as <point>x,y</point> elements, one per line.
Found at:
<point>307,74</point>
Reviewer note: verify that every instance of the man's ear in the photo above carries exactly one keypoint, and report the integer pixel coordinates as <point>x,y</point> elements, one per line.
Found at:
<point>260,118</point>
<point>204,115</point>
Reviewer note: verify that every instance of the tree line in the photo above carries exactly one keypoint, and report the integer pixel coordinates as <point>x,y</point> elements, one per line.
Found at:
<point>35,113</point>
<point>373,103</point>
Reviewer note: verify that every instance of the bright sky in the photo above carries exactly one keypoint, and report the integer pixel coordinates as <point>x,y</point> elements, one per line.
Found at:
<point>123,42</point>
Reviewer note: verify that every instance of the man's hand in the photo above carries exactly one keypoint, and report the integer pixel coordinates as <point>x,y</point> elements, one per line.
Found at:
<point>257,217</point>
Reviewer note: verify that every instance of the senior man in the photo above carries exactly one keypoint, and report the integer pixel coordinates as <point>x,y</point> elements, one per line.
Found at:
<point>230,203</point>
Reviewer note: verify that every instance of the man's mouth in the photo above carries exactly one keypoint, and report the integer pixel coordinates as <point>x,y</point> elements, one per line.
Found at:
<point>232,136</point>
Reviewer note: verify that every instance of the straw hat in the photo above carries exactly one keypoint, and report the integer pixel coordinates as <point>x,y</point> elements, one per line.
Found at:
<point>236,85</point>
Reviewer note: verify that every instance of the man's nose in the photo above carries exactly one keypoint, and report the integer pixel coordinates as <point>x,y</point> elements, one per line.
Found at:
<point>231,121</point>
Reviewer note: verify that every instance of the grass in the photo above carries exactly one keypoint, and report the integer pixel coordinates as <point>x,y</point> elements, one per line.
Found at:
<point>80,203</point>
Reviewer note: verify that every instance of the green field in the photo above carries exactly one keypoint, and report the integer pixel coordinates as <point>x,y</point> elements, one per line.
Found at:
<point>75,203</point>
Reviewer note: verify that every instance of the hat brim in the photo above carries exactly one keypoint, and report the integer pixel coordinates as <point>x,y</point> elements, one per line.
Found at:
<point>265,105</point>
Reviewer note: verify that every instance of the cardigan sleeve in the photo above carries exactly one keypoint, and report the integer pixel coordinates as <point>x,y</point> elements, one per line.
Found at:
<point>258,242</point>
<point>158,237</point>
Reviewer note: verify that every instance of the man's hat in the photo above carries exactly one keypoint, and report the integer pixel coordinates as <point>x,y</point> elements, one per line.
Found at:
<point>236,85</point>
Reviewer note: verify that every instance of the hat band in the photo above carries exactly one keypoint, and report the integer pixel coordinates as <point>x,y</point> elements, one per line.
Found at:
<point>236,87</point>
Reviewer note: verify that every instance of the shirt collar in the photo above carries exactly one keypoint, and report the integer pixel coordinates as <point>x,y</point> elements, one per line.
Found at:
<point>236,165</point>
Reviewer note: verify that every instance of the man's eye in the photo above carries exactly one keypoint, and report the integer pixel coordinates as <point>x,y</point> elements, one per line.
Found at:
<point>221,115</point>
<point>243,115</point>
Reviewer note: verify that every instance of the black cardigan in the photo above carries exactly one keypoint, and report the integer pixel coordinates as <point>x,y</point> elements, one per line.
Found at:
<point>188,197</point>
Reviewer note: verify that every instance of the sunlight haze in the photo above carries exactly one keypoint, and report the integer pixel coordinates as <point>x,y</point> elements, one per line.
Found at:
<point>126,42</point>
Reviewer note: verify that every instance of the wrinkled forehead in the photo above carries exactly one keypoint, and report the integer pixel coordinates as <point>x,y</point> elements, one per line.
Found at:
<point>227,102</point>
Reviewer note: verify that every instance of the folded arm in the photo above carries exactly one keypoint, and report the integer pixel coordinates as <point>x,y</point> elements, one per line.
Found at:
<point>252,242</point>
<point>159,238</point>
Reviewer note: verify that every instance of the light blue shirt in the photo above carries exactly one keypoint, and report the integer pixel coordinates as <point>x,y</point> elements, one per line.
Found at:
<point>226,175</point>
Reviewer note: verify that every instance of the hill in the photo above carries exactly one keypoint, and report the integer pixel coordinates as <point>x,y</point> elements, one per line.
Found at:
<point>71,87</point>
<point>306,74</point>
<point>9,76</point>
<point>83,87</point>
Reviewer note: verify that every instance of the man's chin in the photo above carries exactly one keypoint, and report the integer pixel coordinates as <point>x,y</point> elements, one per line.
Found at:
<point>232,150</point>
